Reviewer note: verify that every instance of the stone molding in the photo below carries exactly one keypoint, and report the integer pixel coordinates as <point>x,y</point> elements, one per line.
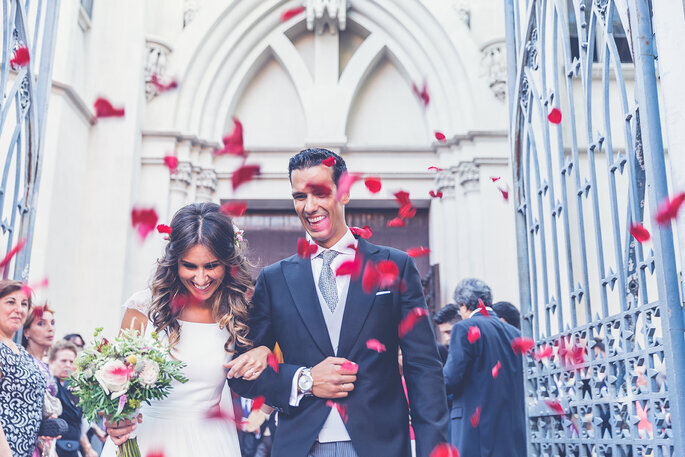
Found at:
<point>468,173</point>
<point>322,13</point>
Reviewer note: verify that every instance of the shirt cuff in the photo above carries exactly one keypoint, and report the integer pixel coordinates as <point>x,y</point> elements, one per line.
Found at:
<point>294,396</point>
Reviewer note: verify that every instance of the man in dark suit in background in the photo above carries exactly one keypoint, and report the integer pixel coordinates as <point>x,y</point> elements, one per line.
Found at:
<point>323,321</point>
<point>485,379</point>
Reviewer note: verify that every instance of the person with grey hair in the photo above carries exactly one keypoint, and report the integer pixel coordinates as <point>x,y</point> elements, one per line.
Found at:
<point>484,378</point>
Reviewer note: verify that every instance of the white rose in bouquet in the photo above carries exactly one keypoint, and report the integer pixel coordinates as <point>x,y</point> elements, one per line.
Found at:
<point>148,376</point>
<point>114,377</point>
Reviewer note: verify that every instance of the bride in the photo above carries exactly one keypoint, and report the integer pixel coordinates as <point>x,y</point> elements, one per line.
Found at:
<point>199,303</point>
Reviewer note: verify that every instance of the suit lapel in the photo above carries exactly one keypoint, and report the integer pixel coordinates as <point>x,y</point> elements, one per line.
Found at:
<point>298,277</point>
<point>358,304</point>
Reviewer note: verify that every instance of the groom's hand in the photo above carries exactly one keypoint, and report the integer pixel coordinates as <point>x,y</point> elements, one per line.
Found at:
<point>332,380</point>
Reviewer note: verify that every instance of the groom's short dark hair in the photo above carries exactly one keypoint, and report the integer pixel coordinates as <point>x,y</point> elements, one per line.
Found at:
<point>312,157</point>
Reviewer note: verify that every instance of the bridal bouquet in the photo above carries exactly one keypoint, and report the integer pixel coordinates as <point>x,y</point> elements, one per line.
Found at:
<point>115,377</point>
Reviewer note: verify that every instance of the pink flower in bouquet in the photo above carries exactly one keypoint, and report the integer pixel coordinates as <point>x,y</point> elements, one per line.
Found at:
<point>148,377</point>
<point>114,377</point>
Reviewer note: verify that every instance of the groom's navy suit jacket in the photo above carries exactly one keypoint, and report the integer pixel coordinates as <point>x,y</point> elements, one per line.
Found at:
<point>286,310</point>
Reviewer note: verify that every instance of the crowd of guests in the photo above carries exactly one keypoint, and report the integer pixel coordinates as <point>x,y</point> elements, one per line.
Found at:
<point>484,381</point>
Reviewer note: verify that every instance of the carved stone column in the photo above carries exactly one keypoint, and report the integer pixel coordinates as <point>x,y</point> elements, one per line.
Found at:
<point>206,186</point>
<point>470,220</point>
<point>493,67</point>
<point>444,226</point>
<point>179,186</point>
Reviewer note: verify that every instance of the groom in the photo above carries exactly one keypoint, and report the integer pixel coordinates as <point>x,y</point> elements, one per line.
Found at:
<point>322,322</point>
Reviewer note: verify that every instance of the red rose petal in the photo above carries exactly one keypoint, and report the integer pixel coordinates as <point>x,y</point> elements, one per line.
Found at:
<point>421,94</point>
<point>38,312</point>
<point>505,193</point>
<point>474,334</point>
<point>29,288</point>
<point>350,267</point>
<point>171,162</point>
<point>414,316</point>
<point>444,450</point>
<point>364,232</point>
<point>554,116</point>
<point>387,273</point>
<point>402,197</point>
<point>161,228</point>
<point>233,143</point>
<point>104,108</point>
<point>407,211</point>
<point>272,361</point>
<point>370,277</point>
<point>217,413</point>
<point>397,222</point>
<point>475,419</point>
<point>483,310</point>
<point>305,249</point>
<point>495,178</point>
<point>435,194</point>
<point>668,209</point>
<point>544,352</point>
<point>639,232</point>
<point>345,183</point>
<point>555,406</point>
<point>14,251</point>
<point>155,453</point>
<point>495,369</point>
<point>375,345</point>
<point>342,409</point>
<point>21,57</point>
<point>418,251</point>
<point>440,137</point>
<point>161,86</point>
<point>291,13</point>
<point>522,345</point>
<point>329,162</point>
<point>234,209</point>
<point>257,403</point>
<point>244,174</point>
<point>434,168</point>
<point>349,366</point>
<point>373,184</point>
<point>144,220</point>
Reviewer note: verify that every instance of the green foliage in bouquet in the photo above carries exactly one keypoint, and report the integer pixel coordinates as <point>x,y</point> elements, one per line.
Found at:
<point>116,377</point>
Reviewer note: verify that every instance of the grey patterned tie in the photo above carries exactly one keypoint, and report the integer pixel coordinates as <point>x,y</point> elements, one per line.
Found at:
<point>327,284</point>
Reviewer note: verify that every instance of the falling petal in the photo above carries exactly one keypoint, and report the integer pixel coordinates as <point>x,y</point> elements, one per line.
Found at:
<point>291,13</point>
<point>364,232</point>
<point>155,453</point>
<point>434,168</point>
<point>234,209</point>
<point>418,251</point>
<point>233,143</point>
<point>421,94</point>
<point>402,197</point>
<point>370,277</point>
<point>162,86</point>
<point>444,450</point>
<point>397,222</point>
<point>407,211</point>
<point>387,273</point>
<point>475,419</point>
<point>495,369</point>
<point>21,57</point>
<point>257,403</point>
<point>161,228</point>
<point>329,162</point>
<point>104,108</point>
<point>244,174</point>
<point>495,178</point>
<point>345,183</point>
<point>522,345</point>
<point>305,249</point>
<point>544,352</point>
<point>350,267</point>
<point>505,193</point>
<point>483,310</point>
<point>440,137</point>
<point>414,316</point>
<point>668,209</point>
<point>373,184</point>
<point>14,251</point>
<point>555,406</point>
<point>38,312</point>
<point>144,220</point>
<point>434,194</point>
<point>171,162</point>
<point>554,116</point>
<point>474,334</point>
<point>272,361</point>
<point>375,345</point>
<point>639,232</point>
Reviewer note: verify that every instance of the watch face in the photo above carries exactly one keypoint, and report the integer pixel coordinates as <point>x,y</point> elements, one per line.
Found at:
<point>305,383</point>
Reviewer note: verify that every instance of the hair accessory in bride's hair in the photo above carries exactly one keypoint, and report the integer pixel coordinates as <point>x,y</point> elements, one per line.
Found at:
<point>238,235</point>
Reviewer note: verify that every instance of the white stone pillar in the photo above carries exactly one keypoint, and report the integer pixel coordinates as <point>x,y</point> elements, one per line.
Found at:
<point>469,220</point>
<point>446,251</point>
<point>669,28</point>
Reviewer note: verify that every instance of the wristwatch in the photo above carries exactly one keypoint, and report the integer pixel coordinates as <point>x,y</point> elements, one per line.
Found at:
<point>305,381</point>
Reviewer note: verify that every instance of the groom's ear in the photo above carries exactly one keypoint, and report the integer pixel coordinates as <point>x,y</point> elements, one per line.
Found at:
<point>345,198</point>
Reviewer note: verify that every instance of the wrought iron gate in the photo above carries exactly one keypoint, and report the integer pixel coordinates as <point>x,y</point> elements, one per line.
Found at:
<point>24,94</point>
<point>604,308</point>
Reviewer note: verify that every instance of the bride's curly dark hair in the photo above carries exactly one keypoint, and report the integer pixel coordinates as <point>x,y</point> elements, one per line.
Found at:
<point>204,224</point>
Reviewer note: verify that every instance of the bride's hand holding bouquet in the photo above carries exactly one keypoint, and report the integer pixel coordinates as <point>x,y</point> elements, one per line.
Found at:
<point>115,378</point>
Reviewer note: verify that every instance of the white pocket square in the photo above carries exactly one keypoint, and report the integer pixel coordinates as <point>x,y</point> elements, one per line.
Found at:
<point>382,292</point>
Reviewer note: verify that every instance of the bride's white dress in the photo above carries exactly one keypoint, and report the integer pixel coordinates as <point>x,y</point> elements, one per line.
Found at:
<point>179,426</point>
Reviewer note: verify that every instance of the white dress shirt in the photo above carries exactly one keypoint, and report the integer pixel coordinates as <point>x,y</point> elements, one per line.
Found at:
<point>334,427</point>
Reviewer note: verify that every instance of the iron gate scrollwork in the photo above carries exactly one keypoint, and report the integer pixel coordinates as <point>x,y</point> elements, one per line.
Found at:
<point>607,375</point>
<point>24,94</point>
